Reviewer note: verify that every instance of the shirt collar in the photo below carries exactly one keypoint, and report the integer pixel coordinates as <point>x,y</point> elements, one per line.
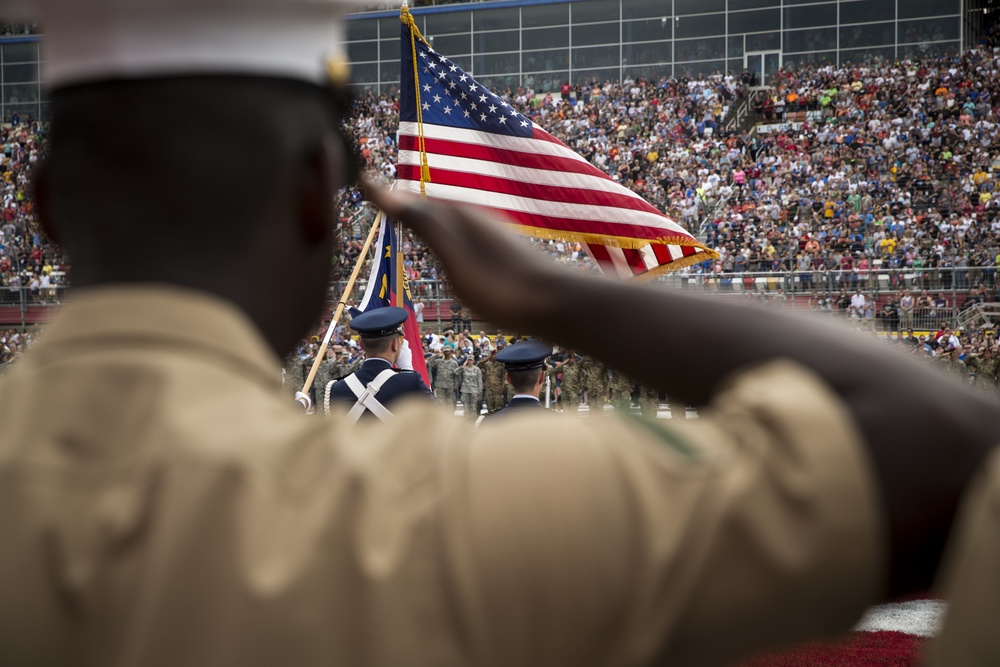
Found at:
<point>159,316</point>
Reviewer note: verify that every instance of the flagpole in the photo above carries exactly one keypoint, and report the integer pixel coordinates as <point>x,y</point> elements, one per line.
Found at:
<point>303,396</point>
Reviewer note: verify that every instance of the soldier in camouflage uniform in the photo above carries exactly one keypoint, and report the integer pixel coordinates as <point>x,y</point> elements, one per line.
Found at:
<point>445,376</point>
<point>470,383</point>
<point>951,363</point>
<point>572,383</point>
<point>985,371</point>
<point>494,378</point>
<point>621,391</point>
<point>294,375</point>
<point>596,383</point>
<point>649,401</point>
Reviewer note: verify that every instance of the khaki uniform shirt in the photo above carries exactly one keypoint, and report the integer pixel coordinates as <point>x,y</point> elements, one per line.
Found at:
<point>163,503</point>
<point>972,582</point>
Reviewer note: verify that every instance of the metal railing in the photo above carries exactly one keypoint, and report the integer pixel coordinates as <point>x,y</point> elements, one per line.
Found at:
<point>801,290</point>
<point>952,281</point>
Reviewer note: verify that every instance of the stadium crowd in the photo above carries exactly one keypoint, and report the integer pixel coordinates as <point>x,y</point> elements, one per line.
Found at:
<point>886,167</point>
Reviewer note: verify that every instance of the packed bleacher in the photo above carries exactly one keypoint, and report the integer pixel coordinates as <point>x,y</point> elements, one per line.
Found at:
<point>879,178</point>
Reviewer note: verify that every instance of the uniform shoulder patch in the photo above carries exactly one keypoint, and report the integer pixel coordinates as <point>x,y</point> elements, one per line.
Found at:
<point>666,435</point>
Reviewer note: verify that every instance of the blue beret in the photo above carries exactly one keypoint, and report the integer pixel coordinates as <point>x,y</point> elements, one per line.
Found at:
<point>525,355</point>
<point>380,322</point>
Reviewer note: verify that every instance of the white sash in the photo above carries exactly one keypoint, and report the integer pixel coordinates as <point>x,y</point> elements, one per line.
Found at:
<point>366,396</point>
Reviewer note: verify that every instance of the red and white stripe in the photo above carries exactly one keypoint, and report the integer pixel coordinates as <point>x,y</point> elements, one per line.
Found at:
<point>543,186</point>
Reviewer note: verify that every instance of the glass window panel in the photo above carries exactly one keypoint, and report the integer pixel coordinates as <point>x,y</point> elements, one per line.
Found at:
<point>862,11</point>
<point>870,34</point>
<point>699,26</point>
<point>447,22</point>
<point>362,30</point>
<point>703,68</point>
<point>698,6</point>
<point>22,52</point>
<point>20,93</point>
<point>20,73</point>
<point>647,31</point>
<point>362,51</point>
<point>911,9</point>
<point>652,52</point>
<point>552,59</point>
<point>592,11</point>
<point>651,72</point>
<point>598,56</point>
<point>362,89</point>
<point>496,19</point>
<point>869,56</point>
<point>46,110</point>
<point>389,49</point>
<point>758,21</point>
<point>798,60</point>
<point>799,2</point>
<point>503,63</point>
<point>544,38</point>
<point>389,28</point>
<point>735,47</point>
<point>635,9</point>
<point>465,62</point>
<point>808,17</point>
<point>493,42</point>
<point>545,83</point>
<point>810,40</point>
<point>367,73</point>
<point>734,67</point>
<point>928,30</point>
<point>928,50</point>
<point>502,84</point>
<point>447,45</point>
<point>25,111</point>
<point>699,49</point>
<point>541,15</point>
<point>599,76</point>
<point>765,41</point>
<point>595,33</point>
<point>736,5</point>
<point>389,71</point>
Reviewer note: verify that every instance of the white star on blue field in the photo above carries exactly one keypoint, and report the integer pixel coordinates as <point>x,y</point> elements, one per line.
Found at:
<point>449,96</point>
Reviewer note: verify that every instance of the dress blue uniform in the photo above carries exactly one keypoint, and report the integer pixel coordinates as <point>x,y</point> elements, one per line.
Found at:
<point>371,389</point>
<point>525,356</point>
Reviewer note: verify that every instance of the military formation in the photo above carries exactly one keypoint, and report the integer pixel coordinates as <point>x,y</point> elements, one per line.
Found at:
<point>462,379</point>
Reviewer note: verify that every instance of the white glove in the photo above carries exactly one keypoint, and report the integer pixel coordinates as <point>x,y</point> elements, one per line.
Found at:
<point>405,359</point>
<point>304,400</point>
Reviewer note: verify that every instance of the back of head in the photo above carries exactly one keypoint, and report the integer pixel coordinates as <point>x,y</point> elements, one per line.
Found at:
<point>197,144</point>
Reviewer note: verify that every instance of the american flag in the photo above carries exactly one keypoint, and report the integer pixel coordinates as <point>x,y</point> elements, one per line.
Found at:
<point>480,150</point>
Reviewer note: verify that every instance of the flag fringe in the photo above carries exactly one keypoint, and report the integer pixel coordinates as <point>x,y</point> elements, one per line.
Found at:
<point>677,264</point>
<point>623,242</point>
<point>407,19</point>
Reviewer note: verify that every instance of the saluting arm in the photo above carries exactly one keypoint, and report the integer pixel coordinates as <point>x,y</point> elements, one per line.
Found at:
<point>922,463</point>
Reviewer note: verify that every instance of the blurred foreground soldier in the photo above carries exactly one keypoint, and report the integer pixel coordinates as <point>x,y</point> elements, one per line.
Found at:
<point>178,509</point>
<point>525,366</point>
<point>370,390</point>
